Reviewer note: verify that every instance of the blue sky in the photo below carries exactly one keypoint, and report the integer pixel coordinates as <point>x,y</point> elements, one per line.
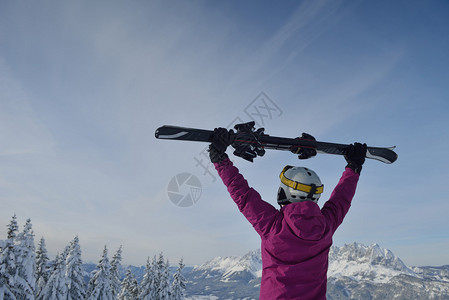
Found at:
<point>84,85</point>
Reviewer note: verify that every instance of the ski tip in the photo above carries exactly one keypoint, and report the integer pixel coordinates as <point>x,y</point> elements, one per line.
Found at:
<point>163,128</point>
<point>385,155</point>
<point>156,133</point>
<point>395,157</point>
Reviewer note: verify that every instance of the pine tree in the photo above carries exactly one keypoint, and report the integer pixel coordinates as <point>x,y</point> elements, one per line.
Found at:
<point>26,264</point>
<point>13,228</point>
<point>164,281</point>
<point>148,286</point>
<point>56,288</point>
<point>115,268</point>
<point>42,267</point>
<point>179,283</point>
<point>8,263</point>
<point>134,288</point>
<point>100,284</point>
<point>129,287</point>
<point>26,274</point>
<point>76,287</point>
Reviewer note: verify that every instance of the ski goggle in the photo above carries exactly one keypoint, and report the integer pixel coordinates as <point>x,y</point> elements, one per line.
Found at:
<point>310,189</point>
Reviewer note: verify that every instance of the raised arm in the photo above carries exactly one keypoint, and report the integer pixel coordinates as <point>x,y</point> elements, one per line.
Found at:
<point>259,213</point>
<point>336,208</point>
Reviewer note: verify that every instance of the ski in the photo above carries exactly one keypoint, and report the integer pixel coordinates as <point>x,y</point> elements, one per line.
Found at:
<point>247,136</point>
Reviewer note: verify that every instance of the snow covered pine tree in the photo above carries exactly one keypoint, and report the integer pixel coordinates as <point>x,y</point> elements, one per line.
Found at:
<point>100,284</point>
<point>164,279</point>
<point>76,287</point>
<point>130,287</point>
<point>42,267</point>
<point>179,283</point>
<point>26,264</point>
<point>27,273</point>
<point>8,263</point>
<point>115,276</point>
<point>55,288</point>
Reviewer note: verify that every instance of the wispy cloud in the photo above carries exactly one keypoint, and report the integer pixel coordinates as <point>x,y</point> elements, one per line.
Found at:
<point>84,85</point>
<point>21,129</point>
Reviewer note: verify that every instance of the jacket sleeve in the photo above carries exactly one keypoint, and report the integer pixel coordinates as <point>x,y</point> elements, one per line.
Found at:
<point>259,213</point>
<point>337,206</point>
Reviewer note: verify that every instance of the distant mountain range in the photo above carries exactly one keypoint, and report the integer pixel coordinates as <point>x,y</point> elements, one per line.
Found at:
<point>355,272</point>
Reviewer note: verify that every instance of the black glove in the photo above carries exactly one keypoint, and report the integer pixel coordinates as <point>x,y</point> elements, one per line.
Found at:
<point>303,152</point>
<point>252,147</point>
<point>355,156</point>
<point>221,139</point>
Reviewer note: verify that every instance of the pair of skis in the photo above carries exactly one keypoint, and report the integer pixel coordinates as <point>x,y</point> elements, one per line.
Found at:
<point>256,141</point>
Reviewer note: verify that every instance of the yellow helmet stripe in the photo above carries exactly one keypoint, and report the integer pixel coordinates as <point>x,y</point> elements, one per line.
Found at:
<point>297,185</point>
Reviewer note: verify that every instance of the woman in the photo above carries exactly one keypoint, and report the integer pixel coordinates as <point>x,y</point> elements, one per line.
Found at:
<point>295,239</point>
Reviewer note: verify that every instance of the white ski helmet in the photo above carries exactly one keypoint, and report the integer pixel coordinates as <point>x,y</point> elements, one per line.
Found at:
<point>299,184</point>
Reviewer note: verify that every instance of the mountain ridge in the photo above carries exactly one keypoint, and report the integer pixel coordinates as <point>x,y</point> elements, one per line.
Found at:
<point>355,271</point>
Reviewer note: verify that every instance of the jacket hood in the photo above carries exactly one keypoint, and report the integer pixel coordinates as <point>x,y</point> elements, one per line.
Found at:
<point>305,220</point>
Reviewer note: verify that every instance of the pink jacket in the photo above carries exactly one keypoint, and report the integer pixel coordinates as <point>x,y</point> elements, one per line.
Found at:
<point>296,239</point>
